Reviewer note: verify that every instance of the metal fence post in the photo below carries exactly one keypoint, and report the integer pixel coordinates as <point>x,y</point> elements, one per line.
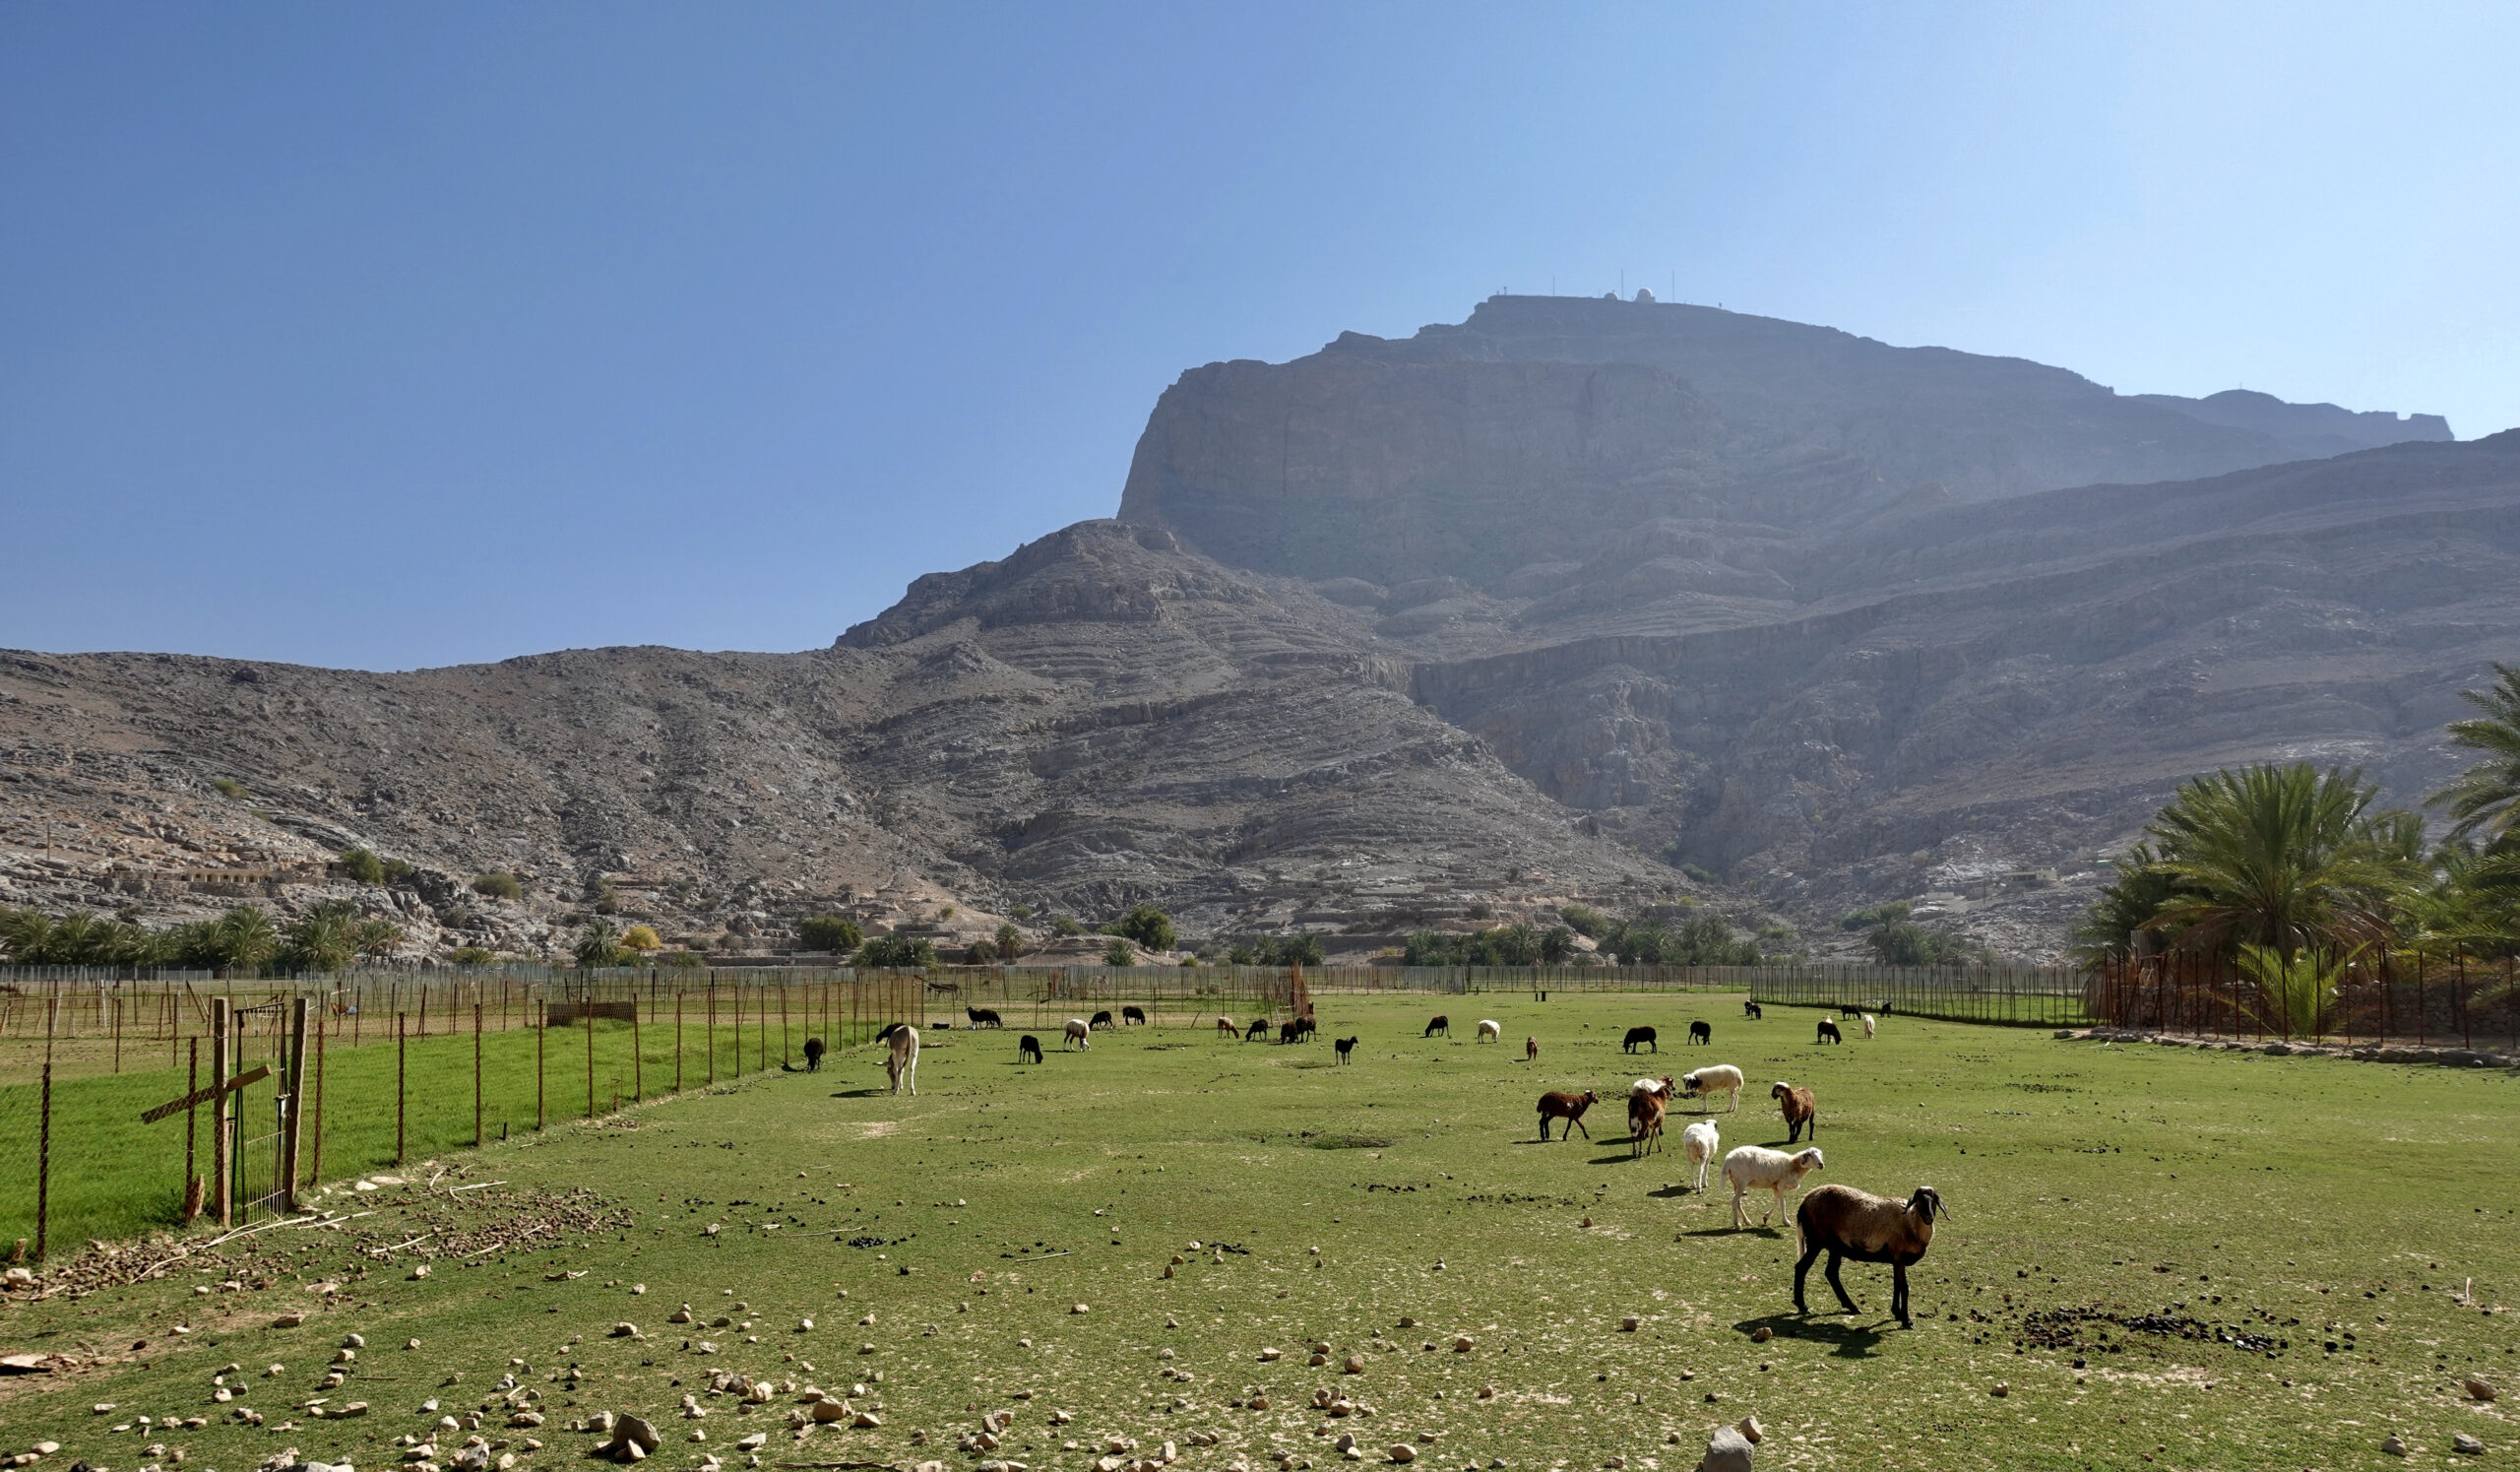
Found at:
<point>476,1075</point>
<point>315,1168</point>
<point>222,1198</point>
<point>401,1071</point>
<point>290,1117</point>
<point>543,1030</point>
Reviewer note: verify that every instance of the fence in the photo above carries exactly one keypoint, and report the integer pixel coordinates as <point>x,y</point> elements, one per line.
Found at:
<point>2424,1000</point>
<point>250,1096</point>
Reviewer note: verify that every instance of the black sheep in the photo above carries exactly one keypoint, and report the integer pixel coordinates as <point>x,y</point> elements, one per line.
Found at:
<point>1700,1032</point>
<point>1636,1035</point>
<point>1028,1047</point>
<point>813,1055</point>
<point>1828,1033</point>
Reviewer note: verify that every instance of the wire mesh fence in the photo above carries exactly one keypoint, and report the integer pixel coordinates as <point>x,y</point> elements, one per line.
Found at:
<point>2460,1000</point>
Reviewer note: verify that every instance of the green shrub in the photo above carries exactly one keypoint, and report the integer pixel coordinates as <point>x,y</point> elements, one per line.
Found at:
<point>1067,925</point>
<point>400,873</point>
<point>681,958</point>
<point>830,932</point>
<point>1585,919</point>
<point>598,945</point>
<point>229,787</point>
<point>1889,912</point>
<point>498,884</point>
<point>1117,953</point>
<point>1149,926</point>
<point>472,955</point>
<point>364,866</point>
<point>1020,911</point>
<point>897,951</point>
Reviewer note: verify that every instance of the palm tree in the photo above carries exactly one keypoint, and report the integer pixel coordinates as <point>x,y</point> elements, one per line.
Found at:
<point>2484,799</point>
<point>377,939</point>
<point>244,939</point>
<point>2289,858</point>
<point>598,945</point>
<point>322,941</point>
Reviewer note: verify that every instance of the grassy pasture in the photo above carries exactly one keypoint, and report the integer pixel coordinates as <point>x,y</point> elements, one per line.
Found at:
<point>2249,1194</point>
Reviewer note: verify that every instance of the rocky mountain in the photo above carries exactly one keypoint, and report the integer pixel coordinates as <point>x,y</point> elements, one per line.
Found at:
<point>1538,607</point>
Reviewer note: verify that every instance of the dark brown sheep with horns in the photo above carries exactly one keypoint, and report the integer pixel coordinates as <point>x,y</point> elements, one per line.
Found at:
<point>1844,1223</point>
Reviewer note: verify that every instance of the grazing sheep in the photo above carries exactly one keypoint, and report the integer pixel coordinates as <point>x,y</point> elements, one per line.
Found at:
<point>1438,1024</point>
<point>1078,1033</point>
<point>1800,1110</point>
<point>1644,1123</point>
<point>1290,1032</point>
<point>1567,1107</point>
<point>1102,1019</point>
<point>813,1055</point>
<point>1844,1223</point>
<point>1259,1029</point>
<point>1344,1046</point>
<point>1659,1088</point>
<point>1751,1009</point>
<point>1028,1047</point>
<point>1306,1027</point>
<point>889,1028</point>
<point>1133,1016</point>
<point>1756,1167</point>
<point>1226,1027</point>
<point>1722,1078</point>
<point>1700,1142</point>
<point>1636,1035</point>
<point>1701,1032</point>
<point>983,1016</point>
<point>1867,1024</point>
<point>901,1060</point>
<point>1490,1032</point>
<point>1828,1033</point>
<point>1531,1050</point>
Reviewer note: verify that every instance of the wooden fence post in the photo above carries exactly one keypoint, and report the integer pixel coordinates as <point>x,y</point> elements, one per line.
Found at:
<point>315,1168</point>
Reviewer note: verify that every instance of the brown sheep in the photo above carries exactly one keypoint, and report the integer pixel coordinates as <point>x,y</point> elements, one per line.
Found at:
<point>1644,1122</point>
<point>1438,1024</point>
<point>1800,1110</point>
<point>1225,1027</point>
<point>1843,1222</point>
<point>1531,1050</point>
<point>1567,1107</point>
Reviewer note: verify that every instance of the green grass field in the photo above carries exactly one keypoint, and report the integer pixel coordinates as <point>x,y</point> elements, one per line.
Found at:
<point>2308,1200</point>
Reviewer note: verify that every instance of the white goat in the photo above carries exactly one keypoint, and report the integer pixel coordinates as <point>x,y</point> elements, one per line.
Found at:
<point>1490,1032</point>
<point>1698,1145</point>
<point>901,1062</point>
<point>1722,1078</point>
<point>1867,1024</point>
<point>1757,1168</point>
<point>1078,1033</point>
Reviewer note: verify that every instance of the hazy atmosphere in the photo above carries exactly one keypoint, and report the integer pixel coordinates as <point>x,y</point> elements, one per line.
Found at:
<point>389,339</point>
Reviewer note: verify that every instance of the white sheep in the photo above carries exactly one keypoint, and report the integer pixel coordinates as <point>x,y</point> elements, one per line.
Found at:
<point>1490,1032</point>
<point>1659,1088</point>
<point>1699,1144</point>
<point>902,1061</point>
<point>1722,1078</point>
<point>1759,1168</point>
<point>1867,1024</point>
<point>1078,1033</point>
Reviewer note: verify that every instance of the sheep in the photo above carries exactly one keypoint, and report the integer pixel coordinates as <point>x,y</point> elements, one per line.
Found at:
<point>1259,1029</point>
<point>1867,1026</point>
<point>1133,1016</point>
<point>1659,1088</point>
<point>1226,1027</point>
<point>1531,1050</point>
<point>1844,1223</point>
<point>1102,1019</point>
<point>813,1055</point>
<point>885,1033</point>
<point>1344,1046</point>
<point>1800,1110</point>
<point>1644,1122</point>
<point>902,1061</point>
<point>1079,1033</point>
<point>1751,1009</point>
<point>1567,1107</point>
<point>1828,1033</point>
<point>1757,1168</point>
<point>983,1016</point>
<point>1699,1142</point>
<point>1438,1024</point>
<point>1490,1032</point>
<point>1306,1027</point>
<point>1636,1035</point>
<point>1028,1047</point>
<point>1700,1032</point>
<point>1290,1032</point>
<point>1722,1078</point>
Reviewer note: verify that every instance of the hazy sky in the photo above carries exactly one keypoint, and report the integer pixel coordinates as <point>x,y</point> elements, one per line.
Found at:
<point>397,335</point>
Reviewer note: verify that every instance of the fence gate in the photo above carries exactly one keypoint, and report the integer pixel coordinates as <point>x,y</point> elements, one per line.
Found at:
<point>262,1160</point>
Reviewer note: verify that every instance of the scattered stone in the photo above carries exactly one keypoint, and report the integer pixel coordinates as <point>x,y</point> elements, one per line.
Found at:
<point>1461,1344</point>
<point>1266,1355</point>
<point>2392,1446</point>
<point>1762,1334</point>
<point>1400,1451</point>
<point>288,1320</point>
<point>2477,1389</point>
<point>865,1420</point>
<point>1080,1309</point>
<point>1356,1364</point>
<point>626,1330</point>
<point>1999,1390</point>
<point>1750,1430</point>
<point>1726,1451</point>
<point>1629,1324</point>
<point>2465,1444</point>
<point>418,1271</point>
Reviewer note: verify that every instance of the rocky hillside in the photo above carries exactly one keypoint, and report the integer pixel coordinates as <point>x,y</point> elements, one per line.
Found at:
<point>1538,607</point>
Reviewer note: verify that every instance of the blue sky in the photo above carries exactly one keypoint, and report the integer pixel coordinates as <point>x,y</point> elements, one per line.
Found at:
<point>388,336</point>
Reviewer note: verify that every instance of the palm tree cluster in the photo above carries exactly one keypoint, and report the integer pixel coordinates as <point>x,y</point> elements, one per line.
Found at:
<point>2292,874</point>
<point>330,937</point>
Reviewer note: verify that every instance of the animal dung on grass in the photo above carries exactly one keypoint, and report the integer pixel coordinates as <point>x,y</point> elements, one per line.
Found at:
<point>1462,1344</point>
